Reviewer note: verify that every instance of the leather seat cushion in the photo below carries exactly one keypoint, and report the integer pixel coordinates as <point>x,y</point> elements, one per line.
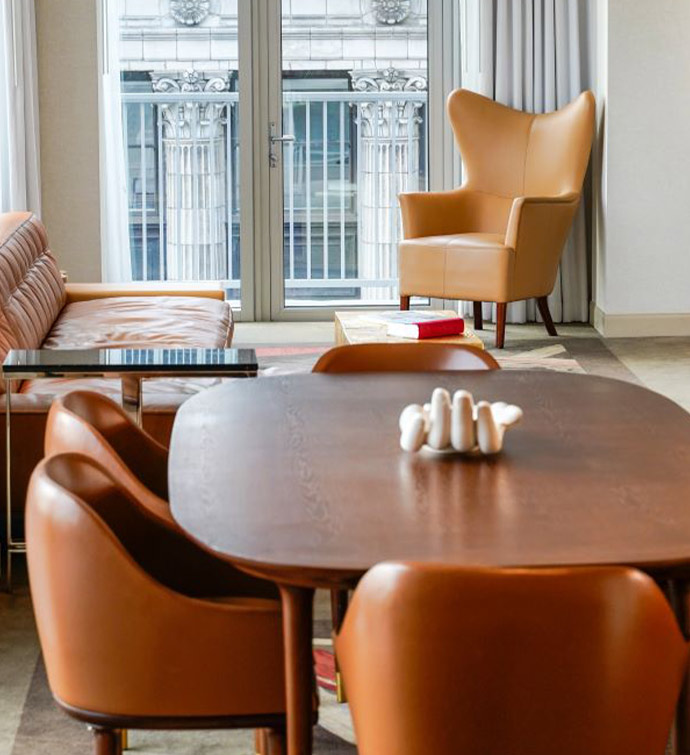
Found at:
<point>158,394</point>
<point>471,266</point>
<point>142,322</point>
<point>135,322</point>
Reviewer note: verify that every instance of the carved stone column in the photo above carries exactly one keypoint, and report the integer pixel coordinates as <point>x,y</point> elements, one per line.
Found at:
<point>389,147</point>
<point>195,179</point>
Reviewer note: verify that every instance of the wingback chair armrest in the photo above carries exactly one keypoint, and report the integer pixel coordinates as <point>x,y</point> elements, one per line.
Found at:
<point>537,230</point>
<point>200,289</point>
<point>432,213</point>
<point>527,213</point>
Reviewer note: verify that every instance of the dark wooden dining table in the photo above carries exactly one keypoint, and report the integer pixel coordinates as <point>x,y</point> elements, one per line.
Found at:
<point>300,479</point>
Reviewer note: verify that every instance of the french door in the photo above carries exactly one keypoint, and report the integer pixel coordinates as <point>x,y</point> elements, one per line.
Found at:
<point>351,114</point>
<point>266,142</point>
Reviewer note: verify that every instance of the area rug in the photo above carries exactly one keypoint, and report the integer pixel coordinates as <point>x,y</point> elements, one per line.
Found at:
<point>45,730</point>
<point>573,355</point>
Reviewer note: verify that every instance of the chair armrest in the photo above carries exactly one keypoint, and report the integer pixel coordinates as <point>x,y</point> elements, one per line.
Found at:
<point>543,217</point>
<point>200,289</point>
<point>537,230</point>
<point>434,213</point>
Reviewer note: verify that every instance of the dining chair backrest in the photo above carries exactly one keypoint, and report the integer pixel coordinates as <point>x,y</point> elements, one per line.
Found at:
<point>404,357</point>
<point>117,634</point>
<point>442,659</point>
<point>90,423</point>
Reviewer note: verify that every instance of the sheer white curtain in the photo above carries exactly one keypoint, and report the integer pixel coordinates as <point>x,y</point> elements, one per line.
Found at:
<point>20,180</point>
<point>529,54</point>
<point>115,247</point>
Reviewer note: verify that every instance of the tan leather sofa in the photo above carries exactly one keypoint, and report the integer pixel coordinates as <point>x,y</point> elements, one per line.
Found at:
<point>499,237</point>
<point>37,309</point>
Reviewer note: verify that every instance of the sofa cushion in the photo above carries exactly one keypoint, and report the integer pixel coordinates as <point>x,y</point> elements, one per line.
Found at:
<point>142,322</point>
<point>32,292</point>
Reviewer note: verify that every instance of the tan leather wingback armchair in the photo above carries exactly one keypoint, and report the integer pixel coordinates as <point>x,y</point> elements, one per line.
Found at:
<point>499,237</point>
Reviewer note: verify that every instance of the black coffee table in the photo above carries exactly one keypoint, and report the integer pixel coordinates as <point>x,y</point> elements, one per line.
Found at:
<point>131,366</point>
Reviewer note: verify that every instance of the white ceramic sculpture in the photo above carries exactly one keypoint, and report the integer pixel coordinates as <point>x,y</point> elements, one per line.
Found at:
<point>458,425</point>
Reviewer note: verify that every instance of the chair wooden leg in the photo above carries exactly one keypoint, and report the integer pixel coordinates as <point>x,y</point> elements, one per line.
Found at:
<point>404,303</point>
<point>478,319</point>
<point>543,304</point>
<point>106,741</point>
<point>276,742</point>
<point>501,309</point>
<point>260,742</point>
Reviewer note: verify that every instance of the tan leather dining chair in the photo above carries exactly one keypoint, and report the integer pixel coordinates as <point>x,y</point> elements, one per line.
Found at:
<point>394,357</point>
<point>404,357</point>
<point>89,423</point>
<point>124,647</point>
<point>499,237</point>
<point>441,659</point>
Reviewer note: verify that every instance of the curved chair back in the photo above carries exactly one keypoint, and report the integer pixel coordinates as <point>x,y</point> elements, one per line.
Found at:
<point>404,357</point>
<point>83,422</point>
<point>117,637</point>
<point>511,153</point>
<point>92,424</point>
<point>444,659</point>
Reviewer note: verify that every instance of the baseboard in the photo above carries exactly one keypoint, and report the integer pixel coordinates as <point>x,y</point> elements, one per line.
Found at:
<point>639,325</point>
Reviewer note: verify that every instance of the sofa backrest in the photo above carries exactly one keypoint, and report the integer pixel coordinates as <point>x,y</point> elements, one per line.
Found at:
<point>32,291</point>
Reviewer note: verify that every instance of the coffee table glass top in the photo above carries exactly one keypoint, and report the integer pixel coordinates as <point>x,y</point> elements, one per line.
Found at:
<point>98,361</point>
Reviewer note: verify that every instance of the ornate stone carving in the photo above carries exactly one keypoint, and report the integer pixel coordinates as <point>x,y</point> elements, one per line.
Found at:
<point>189,81</point>
<point>195,158</point>
<point>390,154</point>
<point>391,12</point>
<point>390,80</point>
<point>189,12</point>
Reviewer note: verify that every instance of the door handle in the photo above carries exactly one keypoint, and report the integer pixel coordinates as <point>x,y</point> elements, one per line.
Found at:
<point>274,139</point>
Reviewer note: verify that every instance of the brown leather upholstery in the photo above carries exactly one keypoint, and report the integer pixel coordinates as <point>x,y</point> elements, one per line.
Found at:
<point>404,357</point>
<point>90,424</point>
<point>441,659</point>
<point>142,322</point>
<point>31,289</point>
<point>33,314</point>
<point>499,237</point>
<point>119,641</point>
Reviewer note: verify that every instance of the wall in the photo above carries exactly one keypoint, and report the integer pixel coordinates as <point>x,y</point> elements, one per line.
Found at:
<point>68,105</point>
<point>643,264</point>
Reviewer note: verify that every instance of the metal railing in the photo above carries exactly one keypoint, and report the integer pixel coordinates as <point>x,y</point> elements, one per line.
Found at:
<point>353,153</point>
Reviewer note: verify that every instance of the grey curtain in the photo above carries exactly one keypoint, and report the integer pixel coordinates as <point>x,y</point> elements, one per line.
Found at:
<point>532,55</point>
<point>20,181</point>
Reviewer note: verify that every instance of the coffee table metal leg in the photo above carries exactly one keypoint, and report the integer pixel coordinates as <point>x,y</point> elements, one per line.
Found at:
<point>8,484</point>
<point>298,609</point>
<point>131,397</point>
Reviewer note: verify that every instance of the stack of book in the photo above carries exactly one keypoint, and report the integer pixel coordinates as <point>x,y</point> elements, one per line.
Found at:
<point>418,325</point>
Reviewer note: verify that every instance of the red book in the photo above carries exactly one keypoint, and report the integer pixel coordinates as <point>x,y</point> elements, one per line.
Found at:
<point>443,326</point>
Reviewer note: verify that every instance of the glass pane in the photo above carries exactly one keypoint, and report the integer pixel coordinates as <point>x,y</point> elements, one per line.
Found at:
<point>179,91</point>
<point>355,99</point>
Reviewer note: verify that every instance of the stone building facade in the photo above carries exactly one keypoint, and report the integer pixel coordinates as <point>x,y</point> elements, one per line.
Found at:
<point>373,46</point>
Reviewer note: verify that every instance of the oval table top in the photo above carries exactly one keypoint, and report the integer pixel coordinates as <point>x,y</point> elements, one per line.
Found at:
<point>302,477</point>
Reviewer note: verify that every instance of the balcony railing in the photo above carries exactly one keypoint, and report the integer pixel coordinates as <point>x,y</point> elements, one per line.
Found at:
<point>353,153</point>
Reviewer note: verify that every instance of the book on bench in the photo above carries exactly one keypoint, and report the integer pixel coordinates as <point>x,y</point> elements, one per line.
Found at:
<point>417,325</point>
<point>443,326</point>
